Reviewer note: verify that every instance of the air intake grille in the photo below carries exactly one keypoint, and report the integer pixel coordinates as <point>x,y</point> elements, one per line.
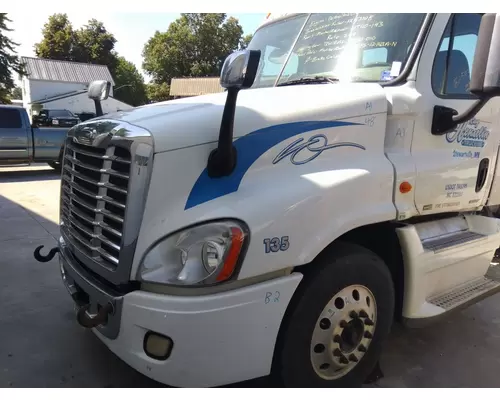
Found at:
<point>94,189</point>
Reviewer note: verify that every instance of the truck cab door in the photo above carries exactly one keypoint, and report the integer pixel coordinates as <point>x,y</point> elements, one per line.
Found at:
<point>455,170</point>
<point>15,134</point>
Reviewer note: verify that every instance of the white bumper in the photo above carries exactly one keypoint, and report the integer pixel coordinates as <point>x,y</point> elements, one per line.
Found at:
<point>217,339</point>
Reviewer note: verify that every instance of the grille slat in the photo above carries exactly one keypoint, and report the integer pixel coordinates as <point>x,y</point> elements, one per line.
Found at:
<point>103,239</point>
<point>86,245</point>
<point>94,189</point>
<point>89,167</point>
<point>89,221</point>
<point>93,182</point>
<point>107,199</point>
<point>93,209</point>
<point>102,157</point>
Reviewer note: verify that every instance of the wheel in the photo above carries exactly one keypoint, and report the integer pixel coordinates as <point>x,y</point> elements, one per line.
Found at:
<point>340,316</point>
<point>55,165</point>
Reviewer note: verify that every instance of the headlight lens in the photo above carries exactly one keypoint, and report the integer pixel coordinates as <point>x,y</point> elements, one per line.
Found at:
<point>201,255</point>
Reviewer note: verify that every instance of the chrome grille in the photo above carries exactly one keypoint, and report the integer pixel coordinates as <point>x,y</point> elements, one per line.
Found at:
<point>94,187</point>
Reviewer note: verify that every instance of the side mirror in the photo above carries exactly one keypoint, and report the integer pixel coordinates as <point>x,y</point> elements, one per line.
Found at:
<point>485,76</point>
<point>239,72</point>
<point>99,90</point>
<point>240,69</point>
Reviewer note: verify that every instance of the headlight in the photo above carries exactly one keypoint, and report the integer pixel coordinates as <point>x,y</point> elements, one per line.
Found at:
<point>201,255</point>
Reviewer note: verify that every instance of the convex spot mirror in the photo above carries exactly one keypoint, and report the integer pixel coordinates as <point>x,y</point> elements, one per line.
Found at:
<point>240,69</point>
<point>485,76</point>
<point>99,90</point>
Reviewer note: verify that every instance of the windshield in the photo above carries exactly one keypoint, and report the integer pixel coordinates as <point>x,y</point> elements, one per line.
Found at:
<point>347,47</point>
<point>61,114</point>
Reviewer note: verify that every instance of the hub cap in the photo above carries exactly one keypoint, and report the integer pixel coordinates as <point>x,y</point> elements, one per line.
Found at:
<point>343,332</point>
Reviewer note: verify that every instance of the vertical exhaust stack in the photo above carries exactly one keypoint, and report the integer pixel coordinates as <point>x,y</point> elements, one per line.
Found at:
<point>99,91</point>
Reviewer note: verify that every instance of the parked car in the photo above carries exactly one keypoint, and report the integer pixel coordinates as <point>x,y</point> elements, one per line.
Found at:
<point>23,143</point>
<point>61,118</point>
<point>85,116</point>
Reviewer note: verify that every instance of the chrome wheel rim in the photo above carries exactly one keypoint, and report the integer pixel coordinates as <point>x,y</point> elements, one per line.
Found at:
<point>343,332</point>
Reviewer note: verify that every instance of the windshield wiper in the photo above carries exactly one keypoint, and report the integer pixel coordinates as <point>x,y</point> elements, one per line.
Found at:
<point>309,79</point>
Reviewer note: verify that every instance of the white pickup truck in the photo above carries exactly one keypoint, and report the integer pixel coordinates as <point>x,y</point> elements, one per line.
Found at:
<point>283,228</point>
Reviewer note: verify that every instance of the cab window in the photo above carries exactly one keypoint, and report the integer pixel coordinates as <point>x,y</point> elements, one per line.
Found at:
<point>10,118</point>
<point>453,62</point>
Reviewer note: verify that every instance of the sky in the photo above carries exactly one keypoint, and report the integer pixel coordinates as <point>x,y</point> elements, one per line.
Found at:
<point>132,29</point>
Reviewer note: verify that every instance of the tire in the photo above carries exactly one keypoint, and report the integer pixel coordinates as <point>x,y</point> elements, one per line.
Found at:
<point>55,165</point>
<point>341,267</point>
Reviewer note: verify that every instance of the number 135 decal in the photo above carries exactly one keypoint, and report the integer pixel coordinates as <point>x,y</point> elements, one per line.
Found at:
<point>276,244</point>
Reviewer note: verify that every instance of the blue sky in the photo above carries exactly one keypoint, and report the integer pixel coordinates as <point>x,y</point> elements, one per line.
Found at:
<point>132,30</point>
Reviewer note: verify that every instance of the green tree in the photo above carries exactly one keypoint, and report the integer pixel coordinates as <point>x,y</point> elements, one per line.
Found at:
<point>16,93</point>
<point>95,45</point>
<point>129,83</point>
<point>9,61</point>
<point>92,43</point>
<point>158,92</point>
<point>58,39</point>
<point>245,41</point>
<point>193,45</point>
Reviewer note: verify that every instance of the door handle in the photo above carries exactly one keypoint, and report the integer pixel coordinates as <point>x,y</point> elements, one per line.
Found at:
<point>482,173</point>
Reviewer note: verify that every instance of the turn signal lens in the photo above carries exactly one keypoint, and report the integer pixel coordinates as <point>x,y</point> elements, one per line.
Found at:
<point>405,187</point>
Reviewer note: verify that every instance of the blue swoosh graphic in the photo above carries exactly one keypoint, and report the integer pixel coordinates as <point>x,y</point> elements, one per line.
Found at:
<point>250,148</point>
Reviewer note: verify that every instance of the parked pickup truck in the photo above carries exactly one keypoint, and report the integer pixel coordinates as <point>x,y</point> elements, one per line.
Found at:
<point>59,118</point>
<point>23,143</point>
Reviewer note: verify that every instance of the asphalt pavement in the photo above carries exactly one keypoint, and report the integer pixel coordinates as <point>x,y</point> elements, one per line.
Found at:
<point>41,345</point>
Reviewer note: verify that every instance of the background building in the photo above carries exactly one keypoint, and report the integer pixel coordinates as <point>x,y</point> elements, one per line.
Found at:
<point>52,84</point>
<point>188,87</point>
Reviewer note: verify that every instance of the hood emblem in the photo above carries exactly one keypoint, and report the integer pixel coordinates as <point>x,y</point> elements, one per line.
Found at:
<point>89,136</point>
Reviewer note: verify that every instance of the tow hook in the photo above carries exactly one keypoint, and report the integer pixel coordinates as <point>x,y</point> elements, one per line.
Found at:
<point>46,258</point>
<point>92,321</point>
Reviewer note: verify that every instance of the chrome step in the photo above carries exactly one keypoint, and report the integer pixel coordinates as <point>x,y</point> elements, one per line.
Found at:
<point>469,291</point>
<point>455,239</point>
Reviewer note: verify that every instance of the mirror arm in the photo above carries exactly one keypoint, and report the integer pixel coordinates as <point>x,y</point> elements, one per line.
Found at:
<point>446,119</point>
<point>222,160</point>
<point>471,112</point>
<point>98,108</point>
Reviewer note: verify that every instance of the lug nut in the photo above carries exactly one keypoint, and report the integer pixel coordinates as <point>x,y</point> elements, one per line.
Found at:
<point>336,338</point>
<point>363,314</point>
<point>353,314</point>
<point>344,360</point>
<point>368,335</point>
<point>337,353</point>
<point>343,324</point>
<point>368,322</point>
<point>353,358</point>
<point>362,348</point>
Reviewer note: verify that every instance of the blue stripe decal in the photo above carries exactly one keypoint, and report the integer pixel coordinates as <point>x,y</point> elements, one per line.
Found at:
<point>250,148</point>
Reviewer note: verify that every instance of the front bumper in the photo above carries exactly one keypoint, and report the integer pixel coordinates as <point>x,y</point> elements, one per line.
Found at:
<point>217,339</point>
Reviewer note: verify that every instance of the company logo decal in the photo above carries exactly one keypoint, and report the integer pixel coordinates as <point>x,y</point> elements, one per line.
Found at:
<point>249,148</point>
<point>470,134</point>
<point>316,145</point>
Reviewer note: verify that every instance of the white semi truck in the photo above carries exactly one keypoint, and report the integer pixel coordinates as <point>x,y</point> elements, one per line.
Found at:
<point>282,229</point>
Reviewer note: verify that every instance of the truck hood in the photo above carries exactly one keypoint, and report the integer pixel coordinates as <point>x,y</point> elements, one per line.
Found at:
<point>193,121</point>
